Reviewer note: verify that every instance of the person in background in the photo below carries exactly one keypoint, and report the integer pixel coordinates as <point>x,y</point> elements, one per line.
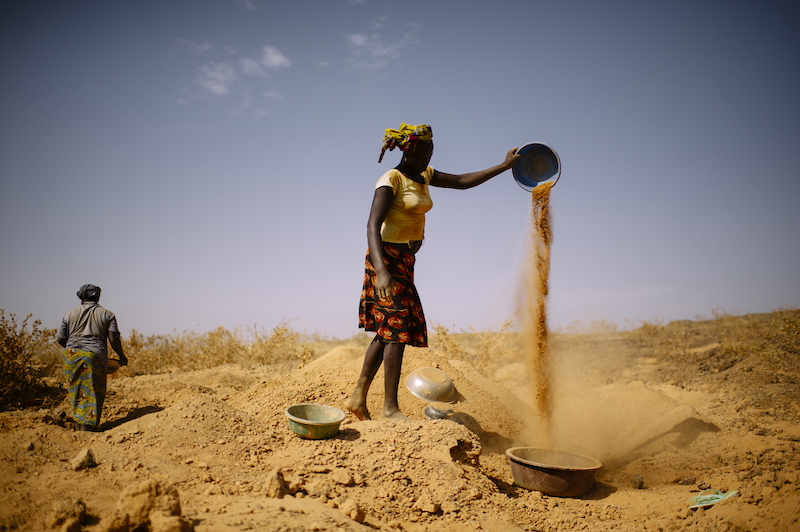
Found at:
<point>390,305</point>
<point>83,333</point>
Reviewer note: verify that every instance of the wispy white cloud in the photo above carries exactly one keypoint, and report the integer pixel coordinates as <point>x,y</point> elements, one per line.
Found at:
<point>251,67</point>
<point>373,50</point>
<point>378,22</point>
<point>232,78</point>
<point>272,58</point>
<point>217,78</point>
<point>358,39</point>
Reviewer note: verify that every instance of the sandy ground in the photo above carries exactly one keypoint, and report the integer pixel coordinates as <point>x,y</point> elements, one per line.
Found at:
<point>212,451</point>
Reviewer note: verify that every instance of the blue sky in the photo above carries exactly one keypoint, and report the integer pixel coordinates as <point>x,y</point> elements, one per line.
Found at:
<point>213,162</point>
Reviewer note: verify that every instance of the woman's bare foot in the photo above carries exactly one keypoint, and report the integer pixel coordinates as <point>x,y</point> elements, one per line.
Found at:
<point>393,415</point>
<point>357,408</point>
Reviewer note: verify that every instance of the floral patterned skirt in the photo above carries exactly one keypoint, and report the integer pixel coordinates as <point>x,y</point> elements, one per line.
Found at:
<point>398,320</point>
<point>85,376</point>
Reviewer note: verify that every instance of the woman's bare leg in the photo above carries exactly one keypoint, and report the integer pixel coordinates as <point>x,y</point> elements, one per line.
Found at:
<point>357,403</point>
<point>393,363</point>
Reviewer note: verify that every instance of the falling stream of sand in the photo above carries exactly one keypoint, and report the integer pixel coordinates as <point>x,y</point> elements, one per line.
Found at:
<point>534,306</point>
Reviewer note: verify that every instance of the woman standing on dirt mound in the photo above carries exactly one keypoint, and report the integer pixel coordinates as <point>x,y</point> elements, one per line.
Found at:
<point>390,305</point>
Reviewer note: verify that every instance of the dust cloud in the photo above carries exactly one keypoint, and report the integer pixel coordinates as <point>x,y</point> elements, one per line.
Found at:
<point>615,420</point>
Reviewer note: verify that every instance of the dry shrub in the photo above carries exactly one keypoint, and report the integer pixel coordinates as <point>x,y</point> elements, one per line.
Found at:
<point>278,346</point>
<point>445,342</point>
<point>649,334</point>
<point>492,347</point>
<point>26,356</point>
<point>304,355</point>
<point>485,350</point>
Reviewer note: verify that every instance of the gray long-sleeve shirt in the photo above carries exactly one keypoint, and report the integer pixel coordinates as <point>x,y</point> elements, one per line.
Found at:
<point>87,327</point>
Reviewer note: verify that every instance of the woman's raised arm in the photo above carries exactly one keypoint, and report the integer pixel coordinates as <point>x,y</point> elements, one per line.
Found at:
<point>473,179</point>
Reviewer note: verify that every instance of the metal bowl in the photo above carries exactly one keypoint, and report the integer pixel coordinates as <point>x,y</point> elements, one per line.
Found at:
<point>538,162</point>
<point>431,384</point>
<point>314,422</point>
<point>555,473</point>
<point>437,410</point>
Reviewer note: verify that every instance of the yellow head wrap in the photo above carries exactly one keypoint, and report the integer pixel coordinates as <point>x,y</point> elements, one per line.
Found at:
<point>405,138</point>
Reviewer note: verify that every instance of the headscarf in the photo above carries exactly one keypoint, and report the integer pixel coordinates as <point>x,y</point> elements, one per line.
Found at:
<point>405,138</point>
<point>89,292</point>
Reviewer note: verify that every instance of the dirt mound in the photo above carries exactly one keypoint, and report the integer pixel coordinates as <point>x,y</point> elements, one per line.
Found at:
<point>330,379</point>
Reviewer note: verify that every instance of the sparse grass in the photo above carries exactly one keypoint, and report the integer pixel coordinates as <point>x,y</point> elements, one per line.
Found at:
<point>595,327</point>
<point>30,354</point>
<point>31,362</point>
<point>191,350</point>
<point>661,340</point>
<point>782,349</point>
<point>719,343</point>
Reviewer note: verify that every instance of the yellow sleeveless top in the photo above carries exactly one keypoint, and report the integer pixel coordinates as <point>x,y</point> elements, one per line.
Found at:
<point>405,221</point>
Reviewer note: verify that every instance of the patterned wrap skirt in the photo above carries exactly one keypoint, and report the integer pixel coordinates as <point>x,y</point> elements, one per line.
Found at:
<point>398,320</point>
<point>85,376</point>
